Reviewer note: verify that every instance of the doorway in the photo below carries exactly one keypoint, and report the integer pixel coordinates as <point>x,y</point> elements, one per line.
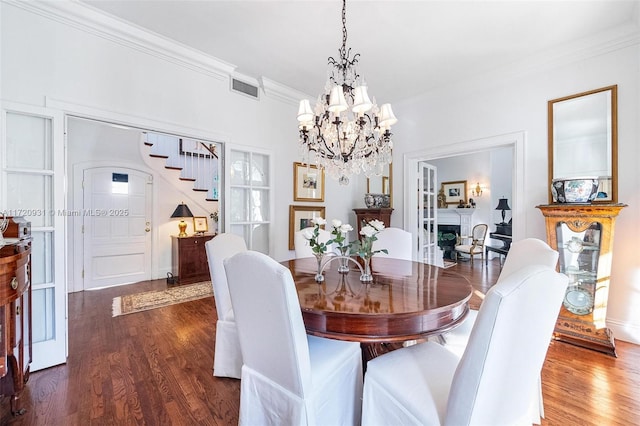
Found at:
<point>411,170</point>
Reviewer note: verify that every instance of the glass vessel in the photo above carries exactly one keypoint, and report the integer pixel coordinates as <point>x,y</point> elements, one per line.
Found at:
<point>319,277</point>
<point>366,274</point>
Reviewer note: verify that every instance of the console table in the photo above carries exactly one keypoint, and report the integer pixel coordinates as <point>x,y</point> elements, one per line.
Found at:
<point>366,215</point>
<point>189,258</point>
<point>15,320</point>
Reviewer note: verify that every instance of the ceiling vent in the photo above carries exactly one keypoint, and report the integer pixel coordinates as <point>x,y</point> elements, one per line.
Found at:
<point>244,88</point>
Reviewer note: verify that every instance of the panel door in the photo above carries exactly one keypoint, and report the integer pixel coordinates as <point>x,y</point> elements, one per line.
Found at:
<point>117,224</point>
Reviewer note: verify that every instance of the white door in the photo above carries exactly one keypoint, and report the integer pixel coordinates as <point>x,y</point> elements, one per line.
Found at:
<point>116,226</point>
<point>32,186</point>
<point>428,218</point>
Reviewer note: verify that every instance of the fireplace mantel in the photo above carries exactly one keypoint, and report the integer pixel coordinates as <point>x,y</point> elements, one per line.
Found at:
<point>460,217</point>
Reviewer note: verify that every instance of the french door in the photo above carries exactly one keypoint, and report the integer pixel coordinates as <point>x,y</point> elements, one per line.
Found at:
<point>250,206</point>
<point>32,186</point>
<point>428,214</point>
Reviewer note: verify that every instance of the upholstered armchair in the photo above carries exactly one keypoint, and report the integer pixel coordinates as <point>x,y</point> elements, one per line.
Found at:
<point>473,245</point>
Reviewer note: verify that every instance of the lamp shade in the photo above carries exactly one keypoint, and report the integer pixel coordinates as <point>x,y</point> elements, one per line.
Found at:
<point>361,101</point>
<point>337,101</point>
<point>182,211</point>
<point>387,118</point>
<point>502,204</point>
<point>305,114</point>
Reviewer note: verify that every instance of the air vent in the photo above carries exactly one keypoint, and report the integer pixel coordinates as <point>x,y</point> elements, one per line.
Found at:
<point>245,88</point>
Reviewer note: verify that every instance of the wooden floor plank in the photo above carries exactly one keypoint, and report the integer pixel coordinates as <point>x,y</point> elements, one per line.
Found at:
<point>155,368</point>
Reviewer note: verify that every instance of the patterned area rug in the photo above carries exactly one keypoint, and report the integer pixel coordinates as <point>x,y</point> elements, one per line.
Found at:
<point>138,302</point>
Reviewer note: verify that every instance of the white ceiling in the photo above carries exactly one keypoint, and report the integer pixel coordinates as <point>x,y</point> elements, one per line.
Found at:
<point>406,47</point>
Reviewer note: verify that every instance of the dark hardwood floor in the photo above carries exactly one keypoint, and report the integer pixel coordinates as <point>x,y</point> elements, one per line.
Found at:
<point>155,368</point>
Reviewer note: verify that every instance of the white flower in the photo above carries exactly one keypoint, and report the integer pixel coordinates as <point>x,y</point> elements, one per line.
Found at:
<point>345,228</point>
<point>377,225</point>
<point>368,231</point>
<point>319,221</point>
<point>336,223</point>
<point>307,233</point>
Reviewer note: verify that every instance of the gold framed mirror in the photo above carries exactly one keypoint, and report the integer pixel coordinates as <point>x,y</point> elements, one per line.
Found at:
<point>382,184</point>
<point>583,139</point>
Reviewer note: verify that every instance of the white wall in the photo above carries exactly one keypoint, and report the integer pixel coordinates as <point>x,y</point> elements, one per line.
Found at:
<point>499,104</point>
<point>45,62</point>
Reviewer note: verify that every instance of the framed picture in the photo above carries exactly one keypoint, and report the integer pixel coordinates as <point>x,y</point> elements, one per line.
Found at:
<point>300,218</point>
<point>455,191</point>
<point>308,183</point>
<point>200,224</point>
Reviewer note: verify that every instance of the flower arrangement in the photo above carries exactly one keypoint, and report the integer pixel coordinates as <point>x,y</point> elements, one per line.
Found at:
<point>317,246</point>
<point>364,247</point>
<point>214,216</point>
<point>339,233</point>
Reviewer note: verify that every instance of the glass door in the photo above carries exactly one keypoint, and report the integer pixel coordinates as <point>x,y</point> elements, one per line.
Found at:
<point>32,169</point>
<point>428,215</point>
<point>249,206</point>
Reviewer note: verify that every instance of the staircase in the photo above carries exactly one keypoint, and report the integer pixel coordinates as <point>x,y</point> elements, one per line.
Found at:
<point>196,161</point>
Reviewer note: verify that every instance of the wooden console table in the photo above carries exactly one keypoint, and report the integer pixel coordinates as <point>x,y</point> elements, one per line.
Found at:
<point>382,214</point>
<point>189,258</point>
<point>15,320</point>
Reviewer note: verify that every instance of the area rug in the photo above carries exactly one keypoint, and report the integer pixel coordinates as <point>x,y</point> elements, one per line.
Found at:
<point>139,302</point>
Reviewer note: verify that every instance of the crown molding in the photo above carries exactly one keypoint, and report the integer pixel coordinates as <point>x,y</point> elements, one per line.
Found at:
<point>281,92</point>
<point>88,19</point>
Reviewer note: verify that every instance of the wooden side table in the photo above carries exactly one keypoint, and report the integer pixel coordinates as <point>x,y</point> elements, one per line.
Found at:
<point>366,215</point>
<point>189,258</point>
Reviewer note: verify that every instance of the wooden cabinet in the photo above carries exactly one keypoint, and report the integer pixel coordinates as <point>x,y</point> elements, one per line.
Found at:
<point>583,236</point>
<point>366,215</point>
<point>189,258</point>
<point>15,320</point>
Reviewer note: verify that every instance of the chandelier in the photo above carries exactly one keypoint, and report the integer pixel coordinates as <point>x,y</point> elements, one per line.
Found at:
<point>346,133</point>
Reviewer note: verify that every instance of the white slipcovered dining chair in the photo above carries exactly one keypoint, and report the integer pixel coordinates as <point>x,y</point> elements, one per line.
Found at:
<point>494,383</point>
<point>523,253</point>
<point>288,378</point>
<point>397,242</point>
<point>301,244</point>
<point>227,358</point>
<point>473,244</point>
<point>527,252</point>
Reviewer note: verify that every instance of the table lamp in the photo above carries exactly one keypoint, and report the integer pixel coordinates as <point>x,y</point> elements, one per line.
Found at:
<point>182,211</point>
<point>502,205</point>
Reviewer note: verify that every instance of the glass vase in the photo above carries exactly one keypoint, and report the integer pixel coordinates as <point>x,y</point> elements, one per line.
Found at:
<point>366,274</point>
<point>319,277</point>
<point>343,268</point>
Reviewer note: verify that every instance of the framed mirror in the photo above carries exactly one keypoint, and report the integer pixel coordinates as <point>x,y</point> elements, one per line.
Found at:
<point>382,184</point>
<point>583,139</point>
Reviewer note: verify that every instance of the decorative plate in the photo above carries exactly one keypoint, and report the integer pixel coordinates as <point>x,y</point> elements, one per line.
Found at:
<point>578,300</point>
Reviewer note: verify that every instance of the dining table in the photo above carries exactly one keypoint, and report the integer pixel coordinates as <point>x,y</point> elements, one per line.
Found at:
<point>407,300</point>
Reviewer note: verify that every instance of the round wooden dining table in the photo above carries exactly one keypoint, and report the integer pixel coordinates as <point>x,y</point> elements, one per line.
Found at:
<point>406,301</point>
